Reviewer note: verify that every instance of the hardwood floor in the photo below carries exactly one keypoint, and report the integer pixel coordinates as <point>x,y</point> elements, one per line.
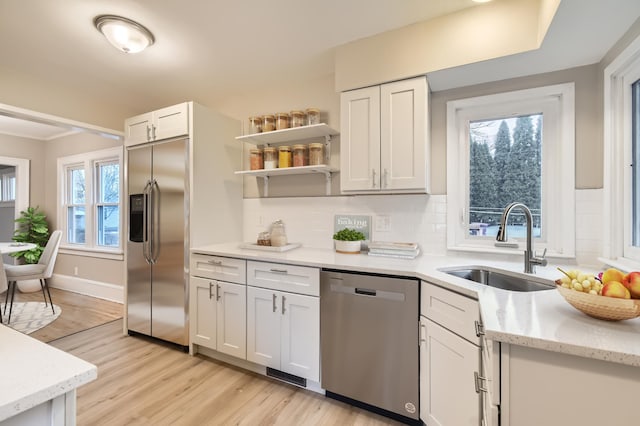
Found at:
<point>142,382</point>
<point>79,312</point>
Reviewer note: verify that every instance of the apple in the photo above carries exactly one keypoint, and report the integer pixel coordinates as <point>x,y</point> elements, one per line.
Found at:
<point>615,289</point>
<point>632,282</point>
<point>612,274</point>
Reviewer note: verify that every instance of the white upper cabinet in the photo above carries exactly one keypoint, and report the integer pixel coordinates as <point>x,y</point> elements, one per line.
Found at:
<point>162,124</point>
<point>385,138</point>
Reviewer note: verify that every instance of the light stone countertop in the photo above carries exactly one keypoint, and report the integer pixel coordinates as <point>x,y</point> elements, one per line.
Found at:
<point>32,372</point>
<point>541,319</point>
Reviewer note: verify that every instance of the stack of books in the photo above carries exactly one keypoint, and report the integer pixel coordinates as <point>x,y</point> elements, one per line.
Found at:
<point>394,249</point>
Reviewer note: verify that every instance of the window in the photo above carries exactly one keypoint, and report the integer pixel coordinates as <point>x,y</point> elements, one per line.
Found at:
<point>90,210</point>
<point>621,231</point>
<point>512,147</point>
<point>7,186</point>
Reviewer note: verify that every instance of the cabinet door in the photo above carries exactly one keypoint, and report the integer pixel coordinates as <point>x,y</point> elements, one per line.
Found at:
<point>360,139</point>
<point>231,319</point>
<point>404,135</point>
<point>423,369</point>
<point>170,122</point>
<point>203,312</point>
<point>263,327</point>
<point>300,353</point>
<point>450,397</point>
<point>138,129</point>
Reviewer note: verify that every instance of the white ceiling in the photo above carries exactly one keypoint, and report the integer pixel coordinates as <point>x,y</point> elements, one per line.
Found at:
<point>207,50</point>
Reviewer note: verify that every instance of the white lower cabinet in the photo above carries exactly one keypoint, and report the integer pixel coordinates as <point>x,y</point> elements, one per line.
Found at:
<point>450,363</point>
<point>283,331</point>
<point>218,316</point>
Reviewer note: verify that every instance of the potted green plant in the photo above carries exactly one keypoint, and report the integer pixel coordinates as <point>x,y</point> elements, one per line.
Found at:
<point>32,228</point>
<point>348,240</point>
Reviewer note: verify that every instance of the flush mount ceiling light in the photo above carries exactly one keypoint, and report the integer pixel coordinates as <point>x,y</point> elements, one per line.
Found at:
<point>126,35</point>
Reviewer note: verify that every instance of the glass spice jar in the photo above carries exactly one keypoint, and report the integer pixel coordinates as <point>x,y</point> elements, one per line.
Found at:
<point>284,157</point>
<point>316,154</point>
<point>313,116</point>
<point>297,118</point>
<point>256,159</point>
<point>282,121</point>
<point>255,125</point>
<point>270,158</point>
<point>300,155</point>
<point>268,123</point>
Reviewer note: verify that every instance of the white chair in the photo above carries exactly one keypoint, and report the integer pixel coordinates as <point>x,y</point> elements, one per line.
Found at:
<point>37,271</point>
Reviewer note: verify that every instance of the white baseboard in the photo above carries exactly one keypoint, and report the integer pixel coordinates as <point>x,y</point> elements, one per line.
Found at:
<point>101,290</point>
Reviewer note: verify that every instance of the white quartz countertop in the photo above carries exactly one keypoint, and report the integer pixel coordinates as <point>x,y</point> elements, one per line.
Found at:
<point>32,372</point>
<point>540,319</point>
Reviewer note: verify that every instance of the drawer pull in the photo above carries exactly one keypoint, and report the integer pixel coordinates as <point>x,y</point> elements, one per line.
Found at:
<point>279,271</point>
<point>215,262</point>
<point>210,285</point>
<point>274,302</point>
<point>217,292</point>
<point>479,328</point>
<point>283,300</point>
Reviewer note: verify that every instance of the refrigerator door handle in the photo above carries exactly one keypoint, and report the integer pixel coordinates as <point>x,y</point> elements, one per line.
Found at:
<point>155,228</point>
<point>145,223</point>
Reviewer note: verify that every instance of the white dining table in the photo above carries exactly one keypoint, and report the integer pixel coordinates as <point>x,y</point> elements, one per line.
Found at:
<point>10,247</point>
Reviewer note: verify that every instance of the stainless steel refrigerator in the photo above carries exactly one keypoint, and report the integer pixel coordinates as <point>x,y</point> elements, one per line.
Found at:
<point>158,240</point>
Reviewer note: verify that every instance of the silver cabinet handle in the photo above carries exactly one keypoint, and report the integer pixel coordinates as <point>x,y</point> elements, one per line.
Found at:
<point>384,178</point>
<point>274,302</point>
<point>279,271</point>
<point>210,285</point>
<point>217,292</point>
<point>283,300</point>
<point>215,262</point>
<point>148,133</point>
<point>153,132</point>
<point>423,335</point>
<point>479,383</point>
<point>373,178</point>
<point>479,328</point>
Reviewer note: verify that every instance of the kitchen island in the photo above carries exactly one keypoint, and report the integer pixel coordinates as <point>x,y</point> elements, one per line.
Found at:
<point>38,382</point>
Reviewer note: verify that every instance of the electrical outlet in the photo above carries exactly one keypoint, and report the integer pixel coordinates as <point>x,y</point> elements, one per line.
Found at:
<point>383,223</point>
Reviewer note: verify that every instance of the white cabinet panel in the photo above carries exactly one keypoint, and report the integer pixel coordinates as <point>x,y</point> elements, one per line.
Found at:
<point>165,123</point>
<point>263,327</point>
<point>138,129</point>
<point>294,279</point>
<point>203,312</point>
<point>219,268</point>
<point>454,311</point>
<point>231,319</point>
<point>450,397</point>
<point>301,336</point>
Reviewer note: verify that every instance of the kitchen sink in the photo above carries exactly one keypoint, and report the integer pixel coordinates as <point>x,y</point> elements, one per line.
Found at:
<point>498,279</point>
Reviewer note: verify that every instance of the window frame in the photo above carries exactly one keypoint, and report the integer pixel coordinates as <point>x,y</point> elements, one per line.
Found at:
<point>89,161</point>
<point>557,104</point>
<point>619,76</point>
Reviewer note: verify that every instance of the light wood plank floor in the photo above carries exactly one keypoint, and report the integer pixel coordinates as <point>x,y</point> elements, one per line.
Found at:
<point>141,382</point>
<point>79,312</point>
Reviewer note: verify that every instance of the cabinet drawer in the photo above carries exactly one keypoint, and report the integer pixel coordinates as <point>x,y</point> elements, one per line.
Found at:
<point>219,268</point>
<point>453,311</point>
<point>277,276</point>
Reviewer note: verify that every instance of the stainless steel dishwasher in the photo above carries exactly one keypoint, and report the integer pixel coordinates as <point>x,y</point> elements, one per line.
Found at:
<point>369,333</point>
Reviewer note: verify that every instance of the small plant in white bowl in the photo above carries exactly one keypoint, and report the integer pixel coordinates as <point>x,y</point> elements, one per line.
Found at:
<point>348,240</point>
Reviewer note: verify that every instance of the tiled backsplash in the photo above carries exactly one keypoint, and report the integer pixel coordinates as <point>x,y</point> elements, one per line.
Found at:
<point>415,218</point>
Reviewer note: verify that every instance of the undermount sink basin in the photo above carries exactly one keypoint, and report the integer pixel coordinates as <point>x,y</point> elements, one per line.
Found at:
<point>498,279</point>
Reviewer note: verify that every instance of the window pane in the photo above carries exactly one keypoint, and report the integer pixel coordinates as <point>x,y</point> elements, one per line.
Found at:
<point>505,166</point>
<point>76,186</point>
<point>76,224</point>
<point>108,226</point>
<point>109,182</point>
<point>10,193</point>
<point>635,174</point>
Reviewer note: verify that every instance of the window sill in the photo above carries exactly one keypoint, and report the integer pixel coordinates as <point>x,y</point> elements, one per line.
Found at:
<point>491,250</point>
<point>624,264</point>
<point>87,252</point>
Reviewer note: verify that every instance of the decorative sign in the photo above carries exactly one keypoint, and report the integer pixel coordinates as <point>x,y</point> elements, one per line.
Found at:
<point>360,223</point>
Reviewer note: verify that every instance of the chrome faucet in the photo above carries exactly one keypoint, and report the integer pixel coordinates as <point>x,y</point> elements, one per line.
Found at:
<point>530,259</point>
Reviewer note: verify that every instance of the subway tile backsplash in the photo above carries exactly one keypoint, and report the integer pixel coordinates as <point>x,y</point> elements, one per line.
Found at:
<point>415,218</point>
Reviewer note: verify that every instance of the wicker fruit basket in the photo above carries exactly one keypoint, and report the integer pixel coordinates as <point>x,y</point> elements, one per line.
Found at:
<point>601,307</point>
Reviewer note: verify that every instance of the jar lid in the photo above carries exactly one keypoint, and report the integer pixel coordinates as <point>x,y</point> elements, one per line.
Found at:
<point>285,148</point>
<point>255,151</point>
<point>269,149</point>
<point>313,111</point>
<point>282,114</point>
<point>299,146</point>
<point>316,145</point>
<point>268,116</point>
<point>297,113</point>
<point>255,118</point>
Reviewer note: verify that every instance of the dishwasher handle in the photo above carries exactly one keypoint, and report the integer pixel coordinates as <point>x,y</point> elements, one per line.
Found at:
<point>365,291</point>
